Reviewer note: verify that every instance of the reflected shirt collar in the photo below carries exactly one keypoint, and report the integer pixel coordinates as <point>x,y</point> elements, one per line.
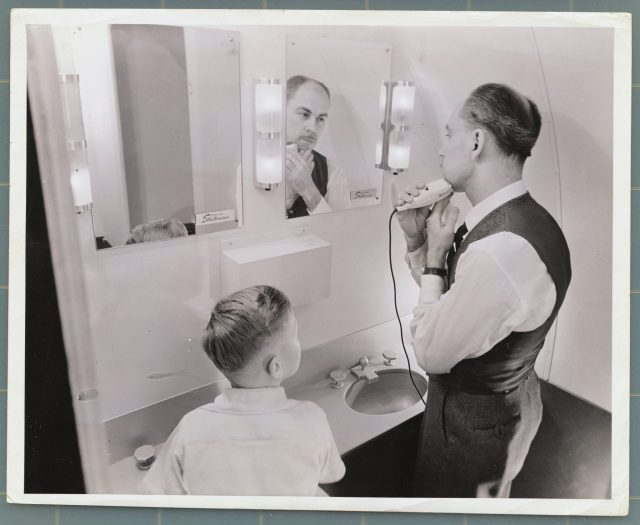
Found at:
<point>493,201</point>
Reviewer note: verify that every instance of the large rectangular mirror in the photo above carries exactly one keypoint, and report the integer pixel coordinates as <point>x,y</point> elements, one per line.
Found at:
<point>333,87</point>
<point>161,110</point>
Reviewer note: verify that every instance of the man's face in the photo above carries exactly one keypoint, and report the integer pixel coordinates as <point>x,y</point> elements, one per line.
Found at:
<point>455,154</point>
<point>307,113</point>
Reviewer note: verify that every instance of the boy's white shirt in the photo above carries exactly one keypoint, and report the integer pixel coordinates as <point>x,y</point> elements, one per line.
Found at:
<point>248,442</point>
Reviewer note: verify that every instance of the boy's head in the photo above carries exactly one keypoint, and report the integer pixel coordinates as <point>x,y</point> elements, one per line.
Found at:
<point>157,231</point>
<point>252,337</point>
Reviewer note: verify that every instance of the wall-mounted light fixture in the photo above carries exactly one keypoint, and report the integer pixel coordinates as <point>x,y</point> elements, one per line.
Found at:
<point>267,141</point>
<point>396,108</point>
<point>79,176</point>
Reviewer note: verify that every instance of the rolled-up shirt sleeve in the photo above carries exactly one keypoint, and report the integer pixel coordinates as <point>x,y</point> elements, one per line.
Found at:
<point>416,261</point>
<point>482,307</point>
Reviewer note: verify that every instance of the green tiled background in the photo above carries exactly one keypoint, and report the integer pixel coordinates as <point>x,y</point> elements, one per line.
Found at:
<point>37,515</point>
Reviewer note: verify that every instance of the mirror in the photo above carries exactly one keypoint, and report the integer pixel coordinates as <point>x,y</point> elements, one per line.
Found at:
<point>333,88</point>
<point>171,98</point>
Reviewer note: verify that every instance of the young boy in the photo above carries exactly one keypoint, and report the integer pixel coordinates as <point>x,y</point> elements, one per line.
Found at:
<point>251,440</point>
<point>157,231</point>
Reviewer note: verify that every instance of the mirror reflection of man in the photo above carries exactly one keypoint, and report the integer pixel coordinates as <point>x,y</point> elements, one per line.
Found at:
<point>488,297</point>
<point>314,183</point>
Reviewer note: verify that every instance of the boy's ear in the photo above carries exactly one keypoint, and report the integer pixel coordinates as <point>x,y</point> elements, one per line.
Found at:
<point>274,367</point>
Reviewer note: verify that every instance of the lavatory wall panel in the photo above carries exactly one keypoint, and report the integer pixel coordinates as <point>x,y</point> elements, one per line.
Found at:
<point>156,299</point>
<point>578,74</point>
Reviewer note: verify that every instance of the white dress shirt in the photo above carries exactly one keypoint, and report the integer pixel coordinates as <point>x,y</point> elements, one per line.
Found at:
<point>248,442</point>
<point>501,286</point>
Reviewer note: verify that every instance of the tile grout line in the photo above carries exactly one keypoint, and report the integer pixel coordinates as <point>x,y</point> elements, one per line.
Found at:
<point>261,513</point>
<point>366,5</point>
<point>4,81</point>
<point>264,4</point>
<point>464,520</point>
<point>468,5</point>
<point>159,520</point>
<point>570,5</point>
<point>57,515</point>
<point>362,519</point>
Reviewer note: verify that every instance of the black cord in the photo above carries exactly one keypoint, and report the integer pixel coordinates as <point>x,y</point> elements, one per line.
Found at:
<point>395,304</point>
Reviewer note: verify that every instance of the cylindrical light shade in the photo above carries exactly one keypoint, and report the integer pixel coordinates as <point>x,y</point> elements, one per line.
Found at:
<point>268,106</point>
<point>379,147</point>
<point>403,98</point>
<point>382,103</point>
<point>63,38</point>
<point>399,150</point>
<point>268,161</point>
<point>81,187</point>
<point>72,110</point>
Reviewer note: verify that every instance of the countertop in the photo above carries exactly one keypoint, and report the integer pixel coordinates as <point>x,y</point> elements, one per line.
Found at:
<point>312,383</point>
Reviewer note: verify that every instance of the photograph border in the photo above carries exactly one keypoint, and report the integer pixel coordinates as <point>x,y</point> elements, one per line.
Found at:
<point>620,286</point>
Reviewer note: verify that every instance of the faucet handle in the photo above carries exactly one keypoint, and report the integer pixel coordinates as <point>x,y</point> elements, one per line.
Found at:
<point>338,377</point>
<point>144,456</point>
<point>389,357</point>
<point>363,362</point>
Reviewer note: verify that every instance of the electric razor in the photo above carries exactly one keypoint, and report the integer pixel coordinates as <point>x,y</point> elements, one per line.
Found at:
<point>434,192</point>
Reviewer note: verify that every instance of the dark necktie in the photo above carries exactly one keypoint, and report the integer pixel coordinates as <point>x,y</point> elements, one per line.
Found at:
<point>459,235</point>
<point>457,241</point>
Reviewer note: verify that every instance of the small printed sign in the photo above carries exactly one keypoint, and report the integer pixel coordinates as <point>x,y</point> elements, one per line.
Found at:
<point>214,217</point>
<point>369,193</point>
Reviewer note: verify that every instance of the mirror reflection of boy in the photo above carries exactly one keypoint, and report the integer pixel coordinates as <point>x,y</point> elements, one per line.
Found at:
<point>251,440</point>
<point>314,183</point>
<point>157,231</point>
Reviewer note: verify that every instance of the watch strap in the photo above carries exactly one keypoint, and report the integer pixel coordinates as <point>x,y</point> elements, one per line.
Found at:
<point>440,272</point>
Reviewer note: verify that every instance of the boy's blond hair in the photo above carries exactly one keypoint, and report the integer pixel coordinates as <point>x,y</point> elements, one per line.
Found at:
<point>157,230</point>
<point>241,322</point>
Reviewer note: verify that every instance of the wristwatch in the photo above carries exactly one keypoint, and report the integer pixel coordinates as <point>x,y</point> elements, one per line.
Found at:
<point>441,272</point>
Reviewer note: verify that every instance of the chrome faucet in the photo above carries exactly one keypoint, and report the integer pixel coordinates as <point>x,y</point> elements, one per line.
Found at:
<point>365,371</point>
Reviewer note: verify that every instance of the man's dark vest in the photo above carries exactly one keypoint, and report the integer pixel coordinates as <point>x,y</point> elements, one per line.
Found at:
<point>320,176</point>
<point>512,359</point>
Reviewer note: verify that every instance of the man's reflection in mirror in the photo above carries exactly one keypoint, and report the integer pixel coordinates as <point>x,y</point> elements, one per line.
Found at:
<point>314,183</point>
<point>157,231</point>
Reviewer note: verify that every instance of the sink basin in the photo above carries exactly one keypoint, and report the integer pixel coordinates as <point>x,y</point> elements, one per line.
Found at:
<point>392,392</point>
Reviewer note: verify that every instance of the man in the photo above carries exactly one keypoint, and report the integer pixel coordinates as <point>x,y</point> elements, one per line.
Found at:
<point>314,184</point>
<point>487,299</point>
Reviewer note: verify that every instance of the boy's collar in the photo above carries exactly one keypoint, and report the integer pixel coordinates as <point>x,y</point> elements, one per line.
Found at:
<point>251,399</point>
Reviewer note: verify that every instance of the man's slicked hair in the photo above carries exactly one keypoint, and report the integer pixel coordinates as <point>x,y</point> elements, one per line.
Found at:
<point>240,323</point>
<point>296,81</point>
<point>511,118</point>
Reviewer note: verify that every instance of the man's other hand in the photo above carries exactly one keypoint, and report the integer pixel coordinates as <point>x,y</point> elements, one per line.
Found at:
<point>440,231</point>
<point>299,167</point>
<point>411,221</point>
